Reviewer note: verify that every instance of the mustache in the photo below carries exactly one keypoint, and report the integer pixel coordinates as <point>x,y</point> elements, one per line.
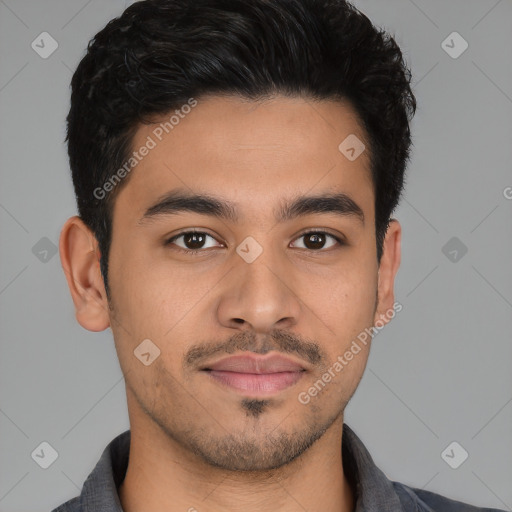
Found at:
<point>278,340</point>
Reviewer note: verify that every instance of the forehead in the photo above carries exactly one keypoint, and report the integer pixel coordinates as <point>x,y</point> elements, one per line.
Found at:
<point>254,153</point>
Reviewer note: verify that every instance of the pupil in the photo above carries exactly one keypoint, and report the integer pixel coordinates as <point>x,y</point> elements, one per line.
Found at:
<point>190,240</point>
<point>318,240</point>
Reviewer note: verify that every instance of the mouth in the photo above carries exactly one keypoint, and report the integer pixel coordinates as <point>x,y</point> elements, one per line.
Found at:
<point>256,383</point>
<point>256,375</point>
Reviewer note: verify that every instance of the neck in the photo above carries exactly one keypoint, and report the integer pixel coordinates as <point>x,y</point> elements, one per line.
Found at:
<point>163,476</point>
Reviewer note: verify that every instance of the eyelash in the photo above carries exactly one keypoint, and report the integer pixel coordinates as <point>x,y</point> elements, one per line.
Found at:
<point>197,251</point>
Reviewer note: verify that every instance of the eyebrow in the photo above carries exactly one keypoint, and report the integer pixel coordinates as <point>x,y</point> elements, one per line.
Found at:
<point>180,200</point>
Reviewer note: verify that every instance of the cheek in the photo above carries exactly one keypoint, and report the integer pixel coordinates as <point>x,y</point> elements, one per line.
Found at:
<point>346,304</point>
<point>163,301</point>
<point>155,296</point>
<point>347,298</point>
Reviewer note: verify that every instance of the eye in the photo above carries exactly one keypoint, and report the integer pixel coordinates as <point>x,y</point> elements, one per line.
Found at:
<point>314,239</point>
<point>194,238</point>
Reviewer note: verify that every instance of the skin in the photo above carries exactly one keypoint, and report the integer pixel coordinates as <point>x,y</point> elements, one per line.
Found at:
<point>194,442</point>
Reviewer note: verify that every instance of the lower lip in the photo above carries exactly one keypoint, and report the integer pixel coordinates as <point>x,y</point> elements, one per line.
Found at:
<point>261,384</point>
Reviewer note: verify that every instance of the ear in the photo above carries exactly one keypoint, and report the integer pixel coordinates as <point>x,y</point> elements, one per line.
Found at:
<point>80,257</point>
<point>389,263</point>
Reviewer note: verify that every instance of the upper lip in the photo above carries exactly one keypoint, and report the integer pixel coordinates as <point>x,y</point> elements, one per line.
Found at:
<point>273,363</point>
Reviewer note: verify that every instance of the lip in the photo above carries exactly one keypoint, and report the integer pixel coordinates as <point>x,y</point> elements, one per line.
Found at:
<point>256,375</point>
<point>273,363</point>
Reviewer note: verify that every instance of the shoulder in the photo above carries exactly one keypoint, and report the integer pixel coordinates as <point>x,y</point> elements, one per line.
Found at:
<point>419,500</point>
<point>73,505</point>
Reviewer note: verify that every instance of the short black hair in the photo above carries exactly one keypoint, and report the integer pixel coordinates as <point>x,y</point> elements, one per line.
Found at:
<point>160,53</point>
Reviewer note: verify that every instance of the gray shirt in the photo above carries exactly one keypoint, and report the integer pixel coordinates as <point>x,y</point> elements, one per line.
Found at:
<point>374,492</point>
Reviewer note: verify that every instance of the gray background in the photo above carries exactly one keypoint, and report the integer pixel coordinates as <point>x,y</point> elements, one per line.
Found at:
<point>440,372</point>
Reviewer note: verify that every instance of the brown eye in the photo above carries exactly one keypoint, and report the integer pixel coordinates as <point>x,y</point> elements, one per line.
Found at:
<point>196,240</point>
<point>192,240</point>
<point>316,240</point>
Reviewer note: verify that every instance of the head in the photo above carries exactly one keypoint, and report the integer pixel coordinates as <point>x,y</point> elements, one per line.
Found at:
<point>250,105</point>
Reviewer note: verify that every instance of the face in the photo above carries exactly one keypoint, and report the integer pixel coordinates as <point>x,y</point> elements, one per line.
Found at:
<point>263,278</point>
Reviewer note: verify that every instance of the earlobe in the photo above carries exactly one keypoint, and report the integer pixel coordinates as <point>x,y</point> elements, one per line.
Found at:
<point>80,263</point>
<point>388,268</point>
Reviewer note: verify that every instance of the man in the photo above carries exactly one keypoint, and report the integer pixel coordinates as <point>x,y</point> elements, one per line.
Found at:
<point>236,165</point>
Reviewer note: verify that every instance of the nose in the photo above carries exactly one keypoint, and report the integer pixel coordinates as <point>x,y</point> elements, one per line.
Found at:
<point>259,296</point>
